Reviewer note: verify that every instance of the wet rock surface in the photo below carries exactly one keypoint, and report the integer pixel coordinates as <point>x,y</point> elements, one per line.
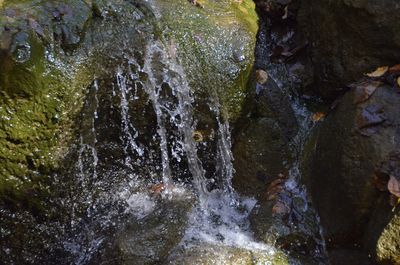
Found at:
<point>141,94</point>
<point>132,62</point>
<point>269,137</point>
<point>348,39</point>
<point>364,136</point>
<point>150,239</point>
<point>216,254</point>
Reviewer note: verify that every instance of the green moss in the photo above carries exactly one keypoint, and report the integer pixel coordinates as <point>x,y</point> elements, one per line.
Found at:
<point>388,245</point>
<point>39,99</point>
<point>42,86</point>
<point>215,44</point>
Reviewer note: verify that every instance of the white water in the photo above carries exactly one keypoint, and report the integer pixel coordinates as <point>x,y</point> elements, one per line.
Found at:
<point>220,216</point>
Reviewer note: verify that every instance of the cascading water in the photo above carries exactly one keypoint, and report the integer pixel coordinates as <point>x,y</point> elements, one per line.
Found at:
<point>221,215</point>
<point>161,166</point>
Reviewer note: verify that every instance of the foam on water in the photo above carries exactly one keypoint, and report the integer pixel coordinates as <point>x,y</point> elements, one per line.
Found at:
<point>223,221</point>
<point>220,216</point>
<point>140,205</point>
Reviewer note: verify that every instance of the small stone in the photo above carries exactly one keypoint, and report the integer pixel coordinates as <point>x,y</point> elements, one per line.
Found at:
<point>261,76</point>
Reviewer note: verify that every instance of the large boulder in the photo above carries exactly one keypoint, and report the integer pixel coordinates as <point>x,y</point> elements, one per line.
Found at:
<point>348,38</point>
<point>54,55</point>
<point>349,160</point>
<point>50,53</point>
<point>262,137</point>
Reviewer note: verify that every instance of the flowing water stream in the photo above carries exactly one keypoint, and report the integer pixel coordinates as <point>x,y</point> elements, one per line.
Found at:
<point>143,181</point>
<point>215,214</point>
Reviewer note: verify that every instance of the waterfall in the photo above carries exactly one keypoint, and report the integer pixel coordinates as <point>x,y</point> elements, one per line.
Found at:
<point>159,86</point>
<point>221,215</point>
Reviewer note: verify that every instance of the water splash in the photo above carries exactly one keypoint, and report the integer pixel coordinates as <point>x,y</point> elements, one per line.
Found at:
<point>129,133</point>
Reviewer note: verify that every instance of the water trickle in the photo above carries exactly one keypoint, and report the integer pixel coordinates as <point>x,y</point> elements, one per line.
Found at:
<point>129,134</point>
<point>220,216</point>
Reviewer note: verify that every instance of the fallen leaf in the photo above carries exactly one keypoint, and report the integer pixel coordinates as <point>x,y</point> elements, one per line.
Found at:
<point>261,76</point>
<point>280,208</point>
<point>378,72</point>
<point>394,69</point>
<point>317,116</point>
<point>394,186</point>
<point>157,188</point>
<point>364,91</point>
<point>273,192</point>
<point>285,16</point>
<point>275,183</point>
<point>275,187</point>
<point>398,81</point>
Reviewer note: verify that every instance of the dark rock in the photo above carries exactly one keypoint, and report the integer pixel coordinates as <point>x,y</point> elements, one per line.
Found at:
<point>343,164</point>
<point>64,162</point>
<point>283,218</point>
<point>349,38</point>
<point>261,143</point>
<point>150,240</point>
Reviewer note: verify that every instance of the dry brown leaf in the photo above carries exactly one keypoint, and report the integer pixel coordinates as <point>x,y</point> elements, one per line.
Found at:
<point>364,91</point>
<point>275,183</point>
<point>261,77</point>
<point>317,116</point>
<point>280,208</point>
<point>273,192</point>
<point>378,72</point>
<point>394,186</point>
<point>157,188</point>
<point>285,16</point>
<point>394,69</point>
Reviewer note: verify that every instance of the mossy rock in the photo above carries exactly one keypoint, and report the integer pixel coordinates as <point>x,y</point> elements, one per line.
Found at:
<point>215,44</point>
<point>388,245</point>
<point>39,96</point>
<point>51,51</point>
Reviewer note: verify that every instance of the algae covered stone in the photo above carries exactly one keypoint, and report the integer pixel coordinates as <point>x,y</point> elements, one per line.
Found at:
<point>215,44</point>
<point>46,49</point>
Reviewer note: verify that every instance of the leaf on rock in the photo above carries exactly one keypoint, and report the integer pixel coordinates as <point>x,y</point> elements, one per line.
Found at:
<point>394,69</point>
<point>275,187</point>
<point>317,116</point>
<point>157,188</point>
<point>261,77</point>
<point>378,72</point>
<point>394,186</point>
<point>364,91</point>
<point>280,208</point>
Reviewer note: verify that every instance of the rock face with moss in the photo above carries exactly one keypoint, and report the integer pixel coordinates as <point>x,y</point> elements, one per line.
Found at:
<point>49,53</point>
<point>61,65</point>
